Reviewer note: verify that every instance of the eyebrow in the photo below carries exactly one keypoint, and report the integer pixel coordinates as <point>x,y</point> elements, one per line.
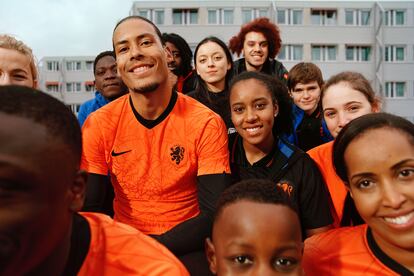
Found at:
<point>393,167</point>
<point>141,36</point>
<point>19,70</point>
<point>348,103</point>
<point>255,100</point>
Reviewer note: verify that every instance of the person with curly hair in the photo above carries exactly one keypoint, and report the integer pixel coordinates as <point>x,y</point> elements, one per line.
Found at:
<point>259,41</point>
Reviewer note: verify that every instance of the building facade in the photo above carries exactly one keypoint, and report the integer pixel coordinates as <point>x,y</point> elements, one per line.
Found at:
<point>373,38</point>
<point>70,79</point>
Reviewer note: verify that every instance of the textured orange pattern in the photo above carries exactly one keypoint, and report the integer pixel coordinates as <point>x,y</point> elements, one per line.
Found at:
<point>342,251</point>
<point>155,178</point>
<point>119,249</point>
<point>322,155</point>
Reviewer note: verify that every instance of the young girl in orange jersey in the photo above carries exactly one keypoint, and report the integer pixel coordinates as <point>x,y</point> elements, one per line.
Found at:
<point>260,110</point>
<point>345,96</point>
<point>374,156</point>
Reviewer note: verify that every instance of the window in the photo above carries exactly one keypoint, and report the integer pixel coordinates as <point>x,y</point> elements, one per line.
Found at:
<point>289,16</point>
<point>323,53</point>
<point>358,53</point>
<point>250,13</point>
<point>357,17</point>
<point>291,52</point>
<point>73,65</point>
<point>323,17</point>
<point>394,53</point>
<point>156,16</point>
<point>185,16</point>
<point>395,89</point>
<point>74,108</point>
<point>73,87</point>
<point>89,86</point>
<point>52,65</point>
<point>394,18</point>
<point>220,16</point>
<point>52,87</point>
<point>89,65</point>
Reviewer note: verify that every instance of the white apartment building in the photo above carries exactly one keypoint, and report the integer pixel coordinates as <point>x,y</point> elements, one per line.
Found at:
<point>70,79</point>
<point>373,38</point>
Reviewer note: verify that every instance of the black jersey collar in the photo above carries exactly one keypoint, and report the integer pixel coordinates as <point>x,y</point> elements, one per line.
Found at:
<point>384,258</point>
<point>240,155</point>
<point>152,123</point>
<point>79,245</point>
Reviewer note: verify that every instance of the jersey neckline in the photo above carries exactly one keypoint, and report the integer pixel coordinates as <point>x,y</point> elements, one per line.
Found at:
<point>152,123</point>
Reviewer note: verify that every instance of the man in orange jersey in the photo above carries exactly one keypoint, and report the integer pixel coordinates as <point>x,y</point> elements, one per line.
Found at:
<point>41,191</point>
<point>166,153</point>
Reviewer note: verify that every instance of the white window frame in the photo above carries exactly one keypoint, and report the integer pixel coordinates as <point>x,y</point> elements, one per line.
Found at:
<point>186,16</point>
<point>289,50</point>
<point>358,52</point>
<point>220,16</point>
<point>323,17</point>
<point>54,65</point>
<point>289,16</point>
<point>357,17</point>
<point>73,65</point>
<point>89,65</point>
<point>391,51</point>
<point>390,18</point>
<point>74,87</point>
<point>391,89</point>
<point>52,87</point>
<point>324,52</point>
<point>150,14</point>
<point>254,13</point>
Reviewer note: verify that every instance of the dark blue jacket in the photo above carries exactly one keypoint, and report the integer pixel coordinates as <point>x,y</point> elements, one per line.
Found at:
<point>90,106</point>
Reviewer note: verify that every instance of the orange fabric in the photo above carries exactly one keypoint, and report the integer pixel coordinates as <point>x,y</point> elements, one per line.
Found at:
<point>118,249</point>
<point>322,155</point>
<point>342,251</point>
<point>155,176</point>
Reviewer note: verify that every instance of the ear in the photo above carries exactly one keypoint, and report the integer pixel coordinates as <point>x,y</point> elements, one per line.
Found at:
<point>377,106</point>
<point>35,84</point>
<point>168,54</point>
<point>348,189</point>
<point>275,109</point>
<point>77,191</point>
<point>211,255</point>
<point>228,66</point>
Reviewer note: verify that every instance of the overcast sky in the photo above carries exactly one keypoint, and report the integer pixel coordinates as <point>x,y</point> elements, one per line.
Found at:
<point>63,27</point>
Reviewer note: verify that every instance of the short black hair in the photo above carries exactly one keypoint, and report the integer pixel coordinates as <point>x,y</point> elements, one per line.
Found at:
<point>101,55</point>
<point>256,190</point>
<point>280,95</point>
<point>184,48</point>
<point>139,18</point>
<point>29,103</point>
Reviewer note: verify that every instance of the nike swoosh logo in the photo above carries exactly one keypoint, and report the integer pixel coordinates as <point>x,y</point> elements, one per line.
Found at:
<point>113,153</point>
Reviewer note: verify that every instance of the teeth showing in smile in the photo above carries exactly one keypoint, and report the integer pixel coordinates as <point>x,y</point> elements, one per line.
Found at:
<point>252,129</point>
<point>141,69</point>
<point>399,220</point>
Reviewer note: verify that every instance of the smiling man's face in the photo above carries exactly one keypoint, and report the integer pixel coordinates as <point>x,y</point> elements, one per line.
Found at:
<point>141,58</point>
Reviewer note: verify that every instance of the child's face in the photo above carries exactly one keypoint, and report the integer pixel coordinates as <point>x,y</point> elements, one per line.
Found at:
<point>306,96</point>
<point>251,238</point>
<point>253,112</point>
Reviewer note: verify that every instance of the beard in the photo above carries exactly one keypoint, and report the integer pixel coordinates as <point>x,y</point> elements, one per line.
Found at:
<point>148,88</point>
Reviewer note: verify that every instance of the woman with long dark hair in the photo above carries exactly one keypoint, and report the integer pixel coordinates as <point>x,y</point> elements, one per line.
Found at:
<point>374,156</point>
<point>213,64</point>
